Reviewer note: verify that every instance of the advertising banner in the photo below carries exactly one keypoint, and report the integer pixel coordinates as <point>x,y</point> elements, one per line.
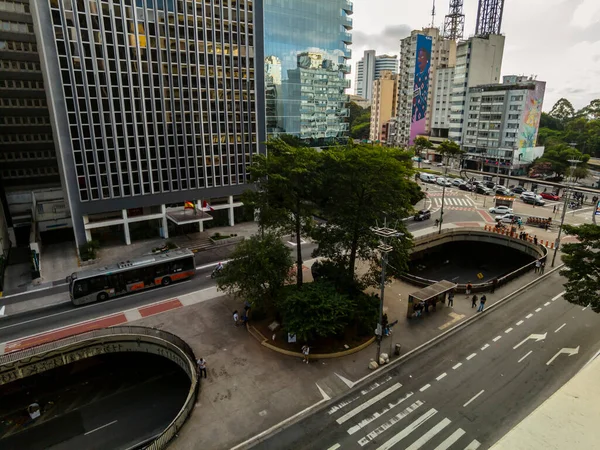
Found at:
<point>421,86</point>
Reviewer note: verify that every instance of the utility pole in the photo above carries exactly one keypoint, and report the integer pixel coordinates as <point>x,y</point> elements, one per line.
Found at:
<point>574,163</point>
<point>386,235</point>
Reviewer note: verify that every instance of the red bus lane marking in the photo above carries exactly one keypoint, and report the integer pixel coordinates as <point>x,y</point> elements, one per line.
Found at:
<point>158,308</point>
<point>486,216</point>
<point>110,321</point>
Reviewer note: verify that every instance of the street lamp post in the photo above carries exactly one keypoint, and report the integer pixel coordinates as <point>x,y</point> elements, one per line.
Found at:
<point>574,163</point>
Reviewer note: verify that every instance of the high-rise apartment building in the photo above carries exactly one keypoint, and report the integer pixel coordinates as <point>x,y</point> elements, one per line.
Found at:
<point>153,103</point>
<point>306,47</point>
<point>440,108</point>
<point>369,69</point>
<point>478,61</point>
<point>421,55</point>
<point>502,122</point>
<point>27,154</point>
<point>383,107</point>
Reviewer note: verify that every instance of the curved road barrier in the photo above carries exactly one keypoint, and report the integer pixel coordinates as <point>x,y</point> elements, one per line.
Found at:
<point>34,360</point>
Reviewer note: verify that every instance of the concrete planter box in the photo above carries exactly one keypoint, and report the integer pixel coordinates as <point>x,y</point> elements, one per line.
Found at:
<point>227,241</point>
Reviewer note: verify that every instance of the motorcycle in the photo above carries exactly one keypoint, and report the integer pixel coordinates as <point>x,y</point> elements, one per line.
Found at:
<point>216,272</point>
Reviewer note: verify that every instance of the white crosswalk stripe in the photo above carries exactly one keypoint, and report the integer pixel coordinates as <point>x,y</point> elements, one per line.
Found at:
<point>363,423</point>
<point>429,435</point>
<point>368,403</point>
<point>394,420</point>
<point>451,439</point>
<point>407,430</point>
<point>454,201</point>
<point>474,445</point>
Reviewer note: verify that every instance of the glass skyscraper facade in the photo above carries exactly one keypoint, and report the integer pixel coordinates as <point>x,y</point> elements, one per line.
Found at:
<point>306,48</point>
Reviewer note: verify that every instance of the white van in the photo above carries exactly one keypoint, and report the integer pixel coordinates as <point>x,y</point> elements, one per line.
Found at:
<point>427,177</point>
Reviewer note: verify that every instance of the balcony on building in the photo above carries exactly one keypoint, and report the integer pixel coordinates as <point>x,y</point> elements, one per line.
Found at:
<point>348,7</point>
<point>347,22</point>
<point>346,37</point>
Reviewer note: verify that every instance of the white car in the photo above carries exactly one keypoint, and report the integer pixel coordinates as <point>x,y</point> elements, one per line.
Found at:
<point>457,182</point>
<point>443,182</point>
<point>440,164</point>
<point>507,218</point>
<point>527,194</point>
<point>501,210</point>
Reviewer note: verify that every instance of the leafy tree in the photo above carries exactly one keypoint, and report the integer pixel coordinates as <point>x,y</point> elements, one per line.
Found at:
<point>421,143</point>
<point>591,111</point>
<point>316,311</point>
<point>582,260</point>
<point>286,180</point>
<point>360,186</point>
<point>360,131</point>
<point>580,172</point>
<point>259,268</point>
<point>559,155</point>
<point>449,149</point>
<point>562,110</point>
<point>552,123</point>
<point>355,112</point>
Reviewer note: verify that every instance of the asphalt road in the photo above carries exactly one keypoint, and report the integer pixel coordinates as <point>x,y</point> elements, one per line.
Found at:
<point>467,391</point>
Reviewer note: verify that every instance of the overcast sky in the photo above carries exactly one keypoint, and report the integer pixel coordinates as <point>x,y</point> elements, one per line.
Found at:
<point>557,40</point>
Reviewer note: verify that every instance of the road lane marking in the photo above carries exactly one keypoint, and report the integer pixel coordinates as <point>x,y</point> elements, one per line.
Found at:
<point>497,338</point>
<point>365,391</point>
<point>526,355</point>
<point>485,346</point>
<point>99,428</point>
<point>424,388</point>
<point>520,322</point>
<point>408,430</point>
<point>508,331</point>
<point>474,445</point>
<point>368,403</point>
<point>558,296</point>
<point>334,447</point>
<point>456,366</point>
<point>559,328</point>
<point>472,399</point>
<point>471,356</point>
<point>390,423</point>
<point>363,423</point>
<point>546,304</point>
<point>529,316</point>
<point>451,439</point>
<point>441,376</point>
<point>430,434</point>
<point>538,310</point>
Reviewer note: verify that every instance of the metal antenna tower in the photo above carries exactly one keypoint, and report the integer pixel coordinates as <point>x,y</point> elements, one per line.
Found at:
<point>454,23</point>
<point>489,17</point>
<point>433,15</point>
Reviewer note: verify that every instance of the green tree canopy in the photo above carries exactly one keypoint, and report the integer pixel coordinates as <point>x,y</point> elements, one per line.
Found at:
<point>360,131</point>
<point>421,143</point>
<point>450,149</point>
<point>582,260</point>
<point>559,155</point>
<point>258,270</point>
<point>361,185</point>
<point>285,184</point>
<point>562,110</point>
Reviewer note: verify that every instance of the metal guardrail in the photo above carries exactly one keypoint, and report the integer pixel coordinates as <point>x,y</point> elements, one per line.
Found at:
<point>138,333</point>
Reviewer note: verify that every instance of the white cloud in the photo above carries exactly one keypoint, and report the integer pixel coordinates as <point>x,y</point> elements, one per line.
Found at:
<point>586,13</point>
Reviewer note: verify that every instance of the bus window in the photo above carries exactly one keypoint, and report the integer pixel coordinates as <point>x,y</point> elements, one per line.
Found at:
<point>133,276</point>
<point>161,269</point>
<point>81,288</point>
<point>182,264</point>
<point>98,283</point>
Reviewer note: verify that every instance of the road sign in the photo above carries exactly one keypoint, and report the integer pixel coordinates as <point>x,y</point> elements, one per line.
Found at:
<point>567,351</point>
<point>480,275</point>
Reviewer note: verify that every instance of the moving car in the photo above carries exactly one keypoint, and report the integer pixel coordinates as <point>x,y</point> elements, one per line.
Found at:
<point>534,200</point>
<point>503,191</point>
<point>465,187</point>
<point>526,194</point>
<point>508,218</point>
<point>426,177</point>
<point>489,184</point>
<point>440,164</point>
<point>422,214</point>
<point>501,210</point>
<point>518,189</point>
<point>550,196</point>
<point>483,190</point>
<point>443,182</point>
<point>458,182</point>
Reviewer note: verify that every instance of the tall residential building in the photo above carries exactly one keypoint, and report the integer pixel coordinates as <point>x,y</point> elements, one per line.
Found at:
<point>421,55</point>
<point>369,69</point>
<point>152,104</point>
<point>478,61</point>
<point>502,124</point>
<point>307,50</point>
<point>27,153</point>
<point>383,107</point>
<point>440,108</point>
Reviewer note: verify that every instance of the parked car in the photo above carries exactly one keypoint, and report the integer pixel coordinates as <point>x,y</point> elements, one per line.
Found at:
<point>508,218</point>
<point>423,214</point>
<point>535,200</point>
<point>465,187</point>
<point>518,189</point>
<point>483,190</point>
<point>501,210</point>
<point>489,184</point>
<point>458,182</point>
<point>550,196</point>
<point>440,164</point>
<point>526,194</point>
<point>427,178</point>
<point>503,191</point>
<point>443,182</point>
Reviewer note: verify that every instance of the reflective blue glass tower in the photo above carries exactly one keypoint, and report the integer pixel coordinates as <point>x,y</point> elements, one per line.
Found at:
<point>306,45</point>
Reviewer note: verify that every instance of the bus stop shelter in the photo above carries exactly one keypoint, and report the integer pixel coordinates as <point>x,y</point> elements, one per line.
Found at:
<point>430,295</point>
<point>504,201</point>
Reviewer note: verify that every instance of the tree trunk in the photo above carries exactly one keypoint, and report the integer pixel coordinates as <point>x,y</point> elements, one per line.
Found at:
<point>353,250</point>
<point>298,248</point>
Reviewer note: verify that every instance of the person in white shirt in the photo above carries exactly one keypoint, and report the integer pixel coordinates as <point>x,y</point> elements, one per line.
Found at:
<point>236,318</point>
<point>202,367</point>
<point>305,352</point>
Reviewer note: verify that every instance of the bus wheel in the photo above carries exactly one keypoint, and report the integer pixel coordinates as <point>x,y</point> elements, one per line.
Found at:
<point>166,281</point>
<point>102,296</point>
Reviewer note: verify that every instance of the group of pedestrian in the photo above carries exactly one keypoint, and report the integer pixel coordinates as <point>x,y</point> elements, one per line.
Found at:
<point>245,316</point>
<point>540,266</point>
<point>482,301</point>
<point>523,236</point>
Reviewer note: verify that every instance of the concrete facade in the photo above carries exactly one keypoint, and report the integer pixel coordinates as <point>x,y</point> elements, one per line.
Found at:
<point>440,109</point>
<point>370,68</point>
<point>149,107</point>
<point>384,103</point>
<point>443,54</point>
<point>478,61</point>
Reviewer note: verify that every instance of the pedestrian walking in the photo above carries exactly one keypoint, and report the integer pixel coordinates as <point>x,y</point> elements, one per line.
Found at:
<point>542,267</point>
<point>451,298</point>
<point>305,352</point>
<point>469,287</point>
<point>494,284</point>
<point>535,241</point>
<point>201,367</point>
<point>474,301</point>
<point>236,318</point>
<point>481,303</point>
<point>538,266</point>
<point>554,209</point>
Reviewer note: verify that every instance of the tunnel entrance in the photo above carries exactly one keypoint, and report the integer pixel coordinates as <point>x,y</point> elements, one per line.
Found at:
<point>462,261</point>
<point>108,401</point>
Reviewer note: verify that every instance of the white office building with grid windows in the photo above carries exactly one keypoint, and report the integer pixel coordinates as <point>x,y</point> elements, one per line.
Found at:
<point>153,103</point>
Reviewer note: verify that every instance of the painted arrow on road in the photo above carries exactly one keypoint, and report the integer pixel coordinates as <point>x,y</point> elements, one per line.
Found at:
<point>568,351</point>
<point>536,337</point>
